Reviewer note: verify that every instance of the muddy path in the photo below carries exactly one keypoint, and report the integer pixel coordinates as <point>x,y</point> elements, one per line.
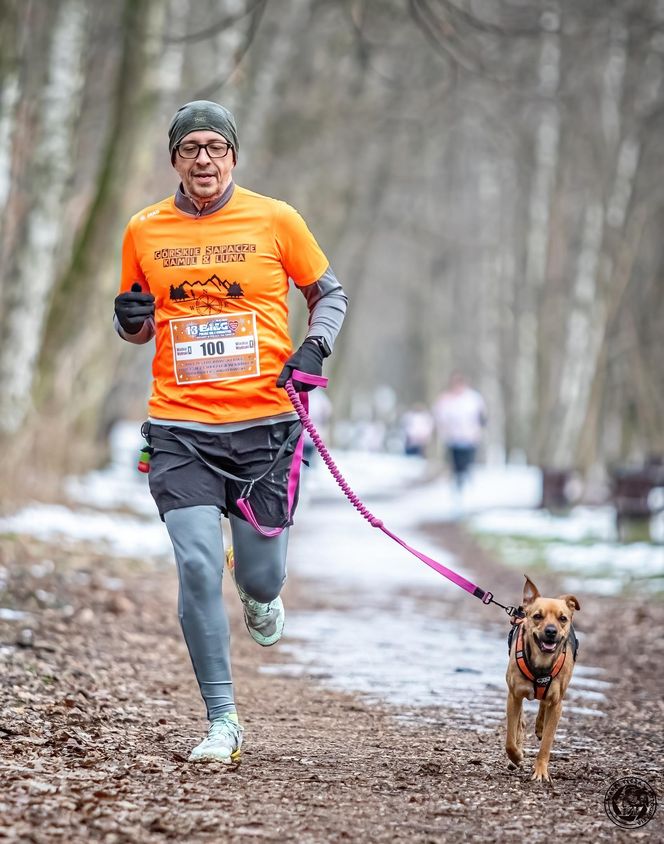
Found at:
<point>99,711</point>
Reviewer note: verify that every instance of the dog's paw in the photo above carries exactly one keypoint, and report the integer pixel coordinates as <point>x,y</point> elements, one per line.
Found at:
<point>515,755</point>
<point>541,773</point>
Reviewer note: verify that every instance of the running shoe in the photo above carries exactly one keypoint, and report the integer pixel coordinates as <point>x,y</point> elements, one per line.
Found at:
<point>222,743</point>
<point>265,622</point>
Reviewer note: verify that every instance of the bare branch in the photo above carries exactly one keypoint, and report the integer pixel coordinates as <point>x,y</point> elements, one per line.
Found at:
<point>258,8</point>
<point>221,25</point>
<point>478,25</point>
<point>439,32</point>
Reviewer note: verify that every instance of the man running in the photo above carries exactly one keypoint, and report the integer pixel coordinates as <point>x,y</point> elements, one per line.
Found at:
<point>206,272</point>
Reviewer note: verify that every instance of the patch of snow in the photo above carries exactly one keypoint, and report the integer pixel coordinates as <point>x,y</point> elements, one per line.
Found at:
<point>581,545</point>
<point>121,535</point>
<point>580,524</point>
<point>7,614</point>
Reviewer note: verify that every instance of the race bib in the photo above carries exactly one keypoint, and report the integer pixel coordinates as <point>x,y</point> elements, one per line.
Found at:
<point>215,348</point>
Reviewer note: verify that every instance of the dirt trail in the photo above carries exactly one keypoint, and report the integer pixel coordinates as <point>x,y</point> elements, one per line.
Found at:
<point>99,711</point>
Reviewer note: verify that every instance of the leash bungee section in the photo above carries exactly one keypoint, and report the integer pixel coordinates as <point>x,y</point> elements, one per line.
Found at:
<point>319,381</point>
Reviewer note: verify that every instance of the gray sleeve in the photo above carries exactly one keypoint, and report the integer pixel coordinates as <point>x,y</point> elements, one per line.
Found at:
<point>143,336</point>
<point>327,302</point>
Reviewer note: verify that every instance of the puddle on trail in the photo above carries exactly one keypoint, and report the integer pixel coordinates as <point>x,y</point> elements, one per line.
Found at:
<point>414,662</point>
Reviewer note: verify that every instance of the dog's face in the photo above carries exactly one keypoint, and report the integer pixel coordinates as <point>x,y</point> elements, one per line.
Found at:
<point>547,620</point>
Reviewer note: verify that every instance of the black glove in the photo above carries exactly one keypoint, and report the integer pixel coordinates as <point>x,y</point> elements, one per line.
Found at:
<point>133,308</point>
<point>308,358</point>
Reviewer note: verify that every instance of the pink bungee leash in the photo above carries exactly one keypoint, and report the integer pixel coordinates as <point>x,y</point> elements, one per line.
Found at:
<point>485,596</point>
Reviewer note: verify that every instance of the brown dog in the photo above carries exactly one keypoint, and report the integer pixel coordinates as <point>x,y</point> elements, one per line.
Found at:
<point>542,654</point>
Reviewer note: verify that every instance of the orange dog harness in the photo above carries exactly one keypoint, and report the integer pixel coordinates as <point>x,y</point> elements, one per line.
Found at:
<point>540,684</point>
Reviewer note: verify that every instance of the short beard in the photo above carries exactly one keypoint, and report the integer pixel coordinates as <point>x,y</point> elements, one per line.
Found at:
<point>201,194</point>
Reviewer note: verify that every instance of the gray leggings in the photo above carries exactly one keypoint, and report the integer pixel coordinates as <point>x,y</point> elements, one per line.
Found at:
<point>260,569</point>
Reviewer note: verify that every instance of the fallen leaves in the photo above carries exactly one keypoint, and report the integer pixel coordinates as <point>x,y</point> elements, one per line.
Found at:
<point>99,710</point>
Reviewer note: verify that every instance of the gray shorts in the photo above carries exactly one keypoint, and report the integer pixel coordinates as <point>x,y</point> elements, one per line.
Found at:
<point>182,478</point>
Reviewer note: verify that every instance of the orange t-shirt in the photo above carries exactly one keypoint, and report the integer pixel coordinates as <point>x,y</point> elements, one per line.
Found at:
<point>220,284</point>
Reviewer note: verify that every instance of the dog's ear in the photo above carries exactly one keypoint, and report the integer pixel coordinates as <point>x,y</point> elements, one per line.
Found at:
<point>530,591</point>
<point>571,602</point>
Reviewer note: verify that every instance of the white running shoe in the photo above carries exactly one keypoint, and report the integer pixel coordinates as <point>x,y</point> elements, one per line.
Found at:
<point>223,741</point>
<point>265,622</point>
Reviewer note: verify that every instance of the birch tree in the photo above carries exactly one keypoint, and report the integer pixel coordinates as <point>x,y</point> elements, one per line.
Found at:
<point>612,232</point>
<point>78,375</point>
<point>30,260</point>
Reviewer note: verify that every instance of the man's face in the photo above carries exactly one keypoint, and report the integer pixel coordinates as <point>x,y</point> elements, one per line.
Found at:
<point>204,178</point>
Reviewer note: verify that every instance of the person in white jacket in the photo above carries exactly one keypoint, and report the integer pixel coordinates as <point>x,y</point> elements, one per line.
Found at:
<point>460,415</point>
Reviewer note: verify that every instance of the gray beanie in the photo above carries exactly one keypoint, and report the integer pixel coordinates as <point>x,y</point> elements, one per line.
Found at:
<point>202,114</point>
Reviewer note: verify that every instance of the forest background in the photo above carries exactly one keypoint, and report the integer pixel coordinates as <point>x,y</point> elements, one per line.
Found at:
<point>484,175</point>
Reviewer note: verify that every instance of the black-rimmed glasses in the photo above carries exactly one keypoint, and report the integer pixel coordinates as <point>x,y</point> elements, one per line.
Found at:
<point>215,149</point>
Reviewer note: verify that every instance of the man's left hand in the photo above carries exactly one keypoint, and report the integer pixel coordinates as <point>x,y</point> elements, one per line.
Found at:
<point>308,358</point>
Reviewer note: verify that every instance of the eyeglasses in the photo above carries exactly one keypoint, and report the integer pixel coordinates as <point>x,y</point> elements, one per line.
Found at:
<point>215,149</point>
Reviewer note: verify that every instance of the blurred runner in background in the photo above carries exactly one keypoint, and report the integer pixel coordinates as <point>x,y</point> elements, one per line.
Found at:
<point>460,415</point>
<point>418,427</point>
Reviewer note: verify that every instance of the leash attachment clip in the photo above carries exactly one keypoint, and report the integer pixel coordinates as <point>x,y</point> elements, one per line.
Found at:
<point>515,613</point>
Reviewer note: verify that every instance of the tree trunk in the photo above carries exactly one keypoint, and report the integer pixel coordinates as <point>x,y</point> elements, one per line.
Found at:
<point>33,259</point>
<point>544,179</point>
<point>80,348</point>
